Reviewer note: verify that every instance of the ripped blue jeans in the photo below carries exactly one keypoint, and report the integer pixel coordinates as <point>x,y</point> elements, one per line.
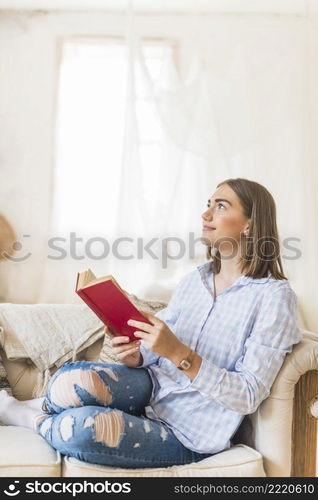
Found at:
<point>95,413</point>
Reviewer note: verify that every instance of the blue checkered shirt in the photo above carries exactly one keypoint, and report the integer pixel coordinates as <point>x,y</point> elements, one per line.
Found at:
<point>242,336</point>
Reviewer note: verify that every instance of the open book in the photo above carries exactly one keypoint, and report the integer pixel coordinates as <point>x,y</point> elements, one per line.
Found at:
<point>109,302</point>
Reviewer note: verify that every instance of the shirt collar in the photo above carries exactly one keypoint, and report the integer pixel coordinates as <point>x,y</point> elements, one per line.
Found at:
<point>207,268</point>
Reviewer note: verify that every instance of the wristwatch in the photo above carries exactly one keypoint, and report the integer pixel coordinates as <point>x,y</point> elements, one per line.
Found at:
<point>186,363</point>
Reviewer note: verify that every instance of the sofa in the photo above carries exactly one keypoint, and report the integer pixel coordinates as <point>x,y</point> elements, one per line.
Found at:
<point>278,440</point>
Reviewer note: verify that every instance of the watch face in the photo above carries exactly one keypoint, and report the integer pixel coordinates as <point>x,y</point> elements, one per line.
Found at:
<point>185,364</point>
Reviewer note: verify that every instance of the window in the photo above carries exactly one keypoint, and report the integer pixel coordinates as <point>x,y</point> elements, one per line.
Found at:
<point>94,91</point>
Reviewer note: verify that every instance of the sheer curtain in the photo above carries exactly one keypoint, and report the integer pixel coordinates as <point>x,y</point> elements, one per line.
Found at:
<point>211,98</point>
<point>120,218</point>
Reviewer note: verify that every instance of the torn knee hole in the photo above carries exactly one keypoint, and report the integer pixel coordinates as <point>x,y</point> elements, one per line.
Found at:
<point>109,427</point>
<point>63,393</point>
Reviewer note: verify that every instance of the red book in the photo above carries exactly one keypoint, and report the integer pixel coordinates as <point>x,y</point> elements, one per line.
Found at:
<point>109,302</point>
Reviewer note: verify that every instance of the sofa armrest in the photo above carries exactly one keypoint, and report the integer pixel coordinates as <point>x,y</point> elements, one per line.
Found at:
<point>282,425</point>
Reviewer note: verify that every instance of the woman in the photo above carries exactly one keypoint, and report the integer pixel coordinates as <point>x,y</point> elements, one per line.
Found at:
<point>209,358</point>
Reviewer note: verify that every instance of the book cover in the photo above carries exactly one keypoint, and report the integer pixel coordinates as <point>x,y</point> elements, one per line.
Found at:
<point>112,306</point>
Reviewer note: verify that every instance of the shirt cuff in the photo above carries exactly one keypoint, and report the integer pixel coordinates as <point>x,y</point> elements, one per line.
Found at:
<point>207,379</point>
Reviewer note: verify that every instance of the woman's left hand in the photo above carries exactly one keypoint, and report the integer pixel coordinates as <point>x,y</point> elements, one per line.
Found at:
<point>158,337</point>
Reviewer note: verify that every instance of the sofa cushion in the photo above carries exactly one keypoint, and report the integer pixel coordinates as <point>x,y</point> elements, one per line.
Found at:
<point>238,461</point>
<point>23,453</point>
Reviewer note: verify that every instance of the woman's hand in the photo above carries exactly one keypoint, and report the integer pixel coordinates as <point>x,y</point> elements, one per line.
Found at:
<point>128,354</point>
<point>158,337</point>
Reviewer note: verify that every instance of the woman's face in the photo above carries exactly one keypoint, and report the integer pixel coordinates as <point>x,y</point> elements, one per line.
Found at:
<point>224,221</point>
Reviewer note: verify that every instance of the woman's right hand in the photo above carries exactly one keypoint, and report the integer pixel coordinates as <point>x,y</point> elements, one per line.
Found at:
<point>127,352</point>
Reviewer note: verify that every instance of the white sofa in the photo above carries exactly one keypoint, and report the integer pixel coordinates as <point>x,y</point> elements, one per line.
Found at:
<point>278,440</point>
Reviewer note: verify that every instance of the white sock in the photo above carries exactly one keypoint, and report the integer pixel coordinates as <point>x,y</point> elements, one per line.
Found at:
<point>36,403</point>
<point>14,412</point>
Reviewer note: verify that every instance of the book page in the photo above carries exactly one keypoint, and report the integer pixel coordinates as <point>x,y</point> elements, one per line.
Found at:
<point>84,278</point>
<point>95,280</point>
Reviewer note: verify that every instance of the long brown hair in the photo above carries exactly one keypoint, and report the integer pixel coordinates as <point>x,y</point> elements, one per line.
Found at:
<point>261,253</point>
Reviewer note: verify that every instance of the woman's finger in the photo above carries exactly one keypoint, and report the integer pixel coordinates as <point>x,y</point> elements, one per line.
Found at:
<point>129,352</point>
<point>125,348</point>
<point>140,324</point>
<point>141,335</point>
<point>118,340</point>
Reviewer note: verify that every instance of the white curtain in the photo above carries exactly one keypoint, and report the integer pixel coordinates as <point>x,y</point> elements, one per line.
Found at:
<point>153,194</point>
<point>235,97</point>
